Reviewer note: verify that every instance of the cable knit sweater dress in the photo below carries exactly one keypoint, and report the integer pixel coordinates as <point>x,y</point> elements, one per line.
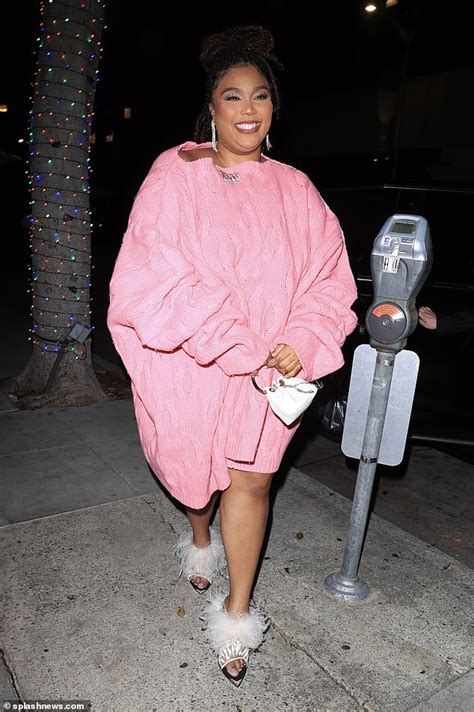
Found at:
<point>217,266</point>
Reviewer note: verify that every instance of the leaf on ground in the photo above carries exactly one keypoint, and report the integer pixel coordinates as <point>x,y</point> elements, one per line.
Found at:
<point>181,612</point>
<point>300,535</point>
<point>448,567</point>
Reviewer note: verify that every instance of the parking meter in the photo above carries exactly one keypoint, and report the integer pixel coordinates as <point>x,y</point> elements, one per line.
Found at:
<point>400,262</point>
<point>383,380</point>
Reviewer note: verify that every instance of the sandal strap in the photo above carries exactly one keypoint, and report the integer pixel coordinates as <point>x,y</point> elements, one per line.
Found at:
<point>231,652</point>
<point>191,574</point>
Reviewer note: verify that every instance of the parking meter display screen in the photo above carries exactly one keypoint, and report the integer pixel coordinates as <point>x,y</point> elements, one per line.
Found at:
<point>404,228</point>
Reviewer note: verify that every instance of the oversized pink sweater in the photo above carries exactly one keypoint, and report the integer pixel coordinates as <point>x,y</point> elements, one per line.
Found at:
<point>217,266</point>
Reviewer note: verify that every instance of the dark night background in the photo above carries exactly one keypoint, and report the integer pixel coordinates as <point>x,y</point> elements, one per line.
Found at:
<point>329,50</point>
<point>344,70</point>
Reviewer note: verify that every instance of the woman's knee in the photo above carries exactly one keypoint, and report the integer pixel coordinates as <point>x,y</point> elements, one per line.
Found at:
<point>256,484</point>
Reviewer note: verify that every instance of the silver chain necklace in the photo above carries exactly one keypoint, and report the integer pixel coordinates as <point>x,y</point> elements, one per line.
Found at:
<point>232,177</point>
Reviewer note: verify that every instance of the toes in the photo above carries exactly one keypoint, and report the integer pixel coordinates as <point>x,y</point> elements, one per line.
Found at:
<point>200,581</point>
<point>235,667</point>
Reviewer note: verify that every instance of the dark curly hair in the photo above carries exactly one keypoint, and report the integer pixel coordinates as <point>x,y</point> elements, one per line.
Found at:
<point>244,44</point>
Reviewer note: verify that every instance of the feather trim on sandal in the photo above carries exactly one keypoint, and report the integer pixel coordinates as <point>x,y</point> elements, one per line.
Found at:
<point>232,636</point>
<point>207,562</point>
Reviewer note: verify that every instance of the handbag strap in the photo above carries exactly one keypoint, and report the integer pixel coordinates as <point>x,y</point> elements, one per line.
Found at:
<point>260,390</point>
<point>318,384</point>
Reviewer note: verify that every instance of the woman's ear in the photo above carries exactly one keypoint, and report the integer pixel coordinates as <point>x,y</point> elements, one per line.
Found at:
<point>211,111</point>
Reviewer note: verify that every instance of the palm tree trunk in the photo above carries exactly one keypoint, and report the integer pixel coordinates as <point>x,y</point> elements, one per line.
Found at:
<point>65,82</point>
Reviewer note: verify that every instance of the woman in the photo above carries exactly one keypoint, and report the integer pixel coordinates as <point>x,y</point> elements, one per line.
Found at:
<point>231,263</point>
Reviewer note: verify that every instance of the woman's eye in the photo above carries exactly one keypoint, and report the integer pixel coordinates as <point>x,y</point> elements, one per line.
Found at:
<point>262,96</point>
<point>232,97</point>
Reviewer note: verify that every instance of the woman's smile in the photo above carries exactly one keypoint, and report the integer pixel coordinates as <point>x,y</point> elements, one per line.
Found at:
<point>248,127</point>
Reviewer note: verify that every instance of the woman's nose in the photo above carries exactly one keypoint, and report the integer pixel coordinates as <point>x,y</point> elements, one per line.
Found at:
<point>248,108</point>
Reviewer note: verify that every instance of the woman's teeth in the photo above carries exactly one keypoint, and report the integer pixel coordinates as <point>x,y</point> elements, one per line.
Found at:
<point>246,127</point>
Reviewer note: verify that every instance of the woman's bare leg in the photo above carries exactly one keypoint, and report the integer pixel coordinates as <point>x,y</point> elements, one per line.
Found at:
<point>200,520</point>
<point>244,515</point>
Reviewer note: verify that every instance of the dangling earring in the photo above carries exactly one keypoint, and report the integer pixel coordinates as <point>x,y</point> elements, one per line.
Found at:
<point>214,136</point>
<point>267,142</point>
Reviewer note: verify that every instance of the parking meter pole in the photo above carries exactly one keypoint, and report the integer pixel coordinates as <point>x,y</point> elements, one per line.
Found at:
<point>345,584</point>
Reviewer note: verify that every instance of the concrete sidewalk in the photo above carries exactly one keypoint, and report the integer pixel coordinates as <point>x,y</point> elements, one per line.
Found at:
<point>93,607</point>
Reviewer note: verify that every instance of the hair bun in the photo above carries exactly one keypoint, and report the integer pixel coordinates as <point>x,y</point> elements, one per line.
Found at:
<point>244,39</point>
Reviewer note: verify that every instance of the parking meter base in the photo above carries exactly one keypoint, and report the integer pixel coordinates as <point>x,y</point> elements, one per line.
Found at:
<point>345,589</point>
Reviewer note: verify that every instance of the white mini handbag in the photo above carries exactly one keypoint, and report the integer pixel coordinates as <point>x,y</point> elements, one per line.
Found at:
<point>289,397</point>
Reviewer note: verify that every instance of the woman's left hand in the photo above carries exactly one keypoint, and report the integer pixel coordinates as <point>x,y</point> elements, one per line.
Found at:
<point>285,360</point>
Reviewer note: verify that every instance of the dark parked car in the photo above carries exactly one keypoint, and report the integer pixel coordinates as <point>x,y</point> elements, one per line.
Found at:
<point>443,413</point>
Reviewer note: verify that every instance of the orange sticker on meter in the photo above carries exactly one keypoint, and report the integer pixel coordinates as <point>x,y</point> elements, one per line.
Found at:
<point>390,309</point>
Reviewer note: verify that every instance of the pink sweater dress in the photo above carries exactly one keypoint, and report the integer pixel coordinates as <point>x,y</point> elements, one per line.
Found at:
<point>217,266</point>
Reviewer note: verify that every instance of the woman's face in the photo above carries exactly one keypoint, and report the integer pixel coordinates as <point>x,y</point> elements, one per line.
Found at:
<point>242,110</point>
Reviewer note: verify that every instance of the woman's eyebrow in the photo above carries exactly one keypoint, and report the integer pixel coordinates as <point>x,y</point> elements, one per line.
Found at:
<point>263,86</point>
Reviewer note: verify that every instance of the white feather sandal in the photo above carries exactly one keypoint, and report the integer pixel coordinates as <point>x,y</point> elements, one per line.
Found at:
<point>206,562</point>
<point>233,635</point>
